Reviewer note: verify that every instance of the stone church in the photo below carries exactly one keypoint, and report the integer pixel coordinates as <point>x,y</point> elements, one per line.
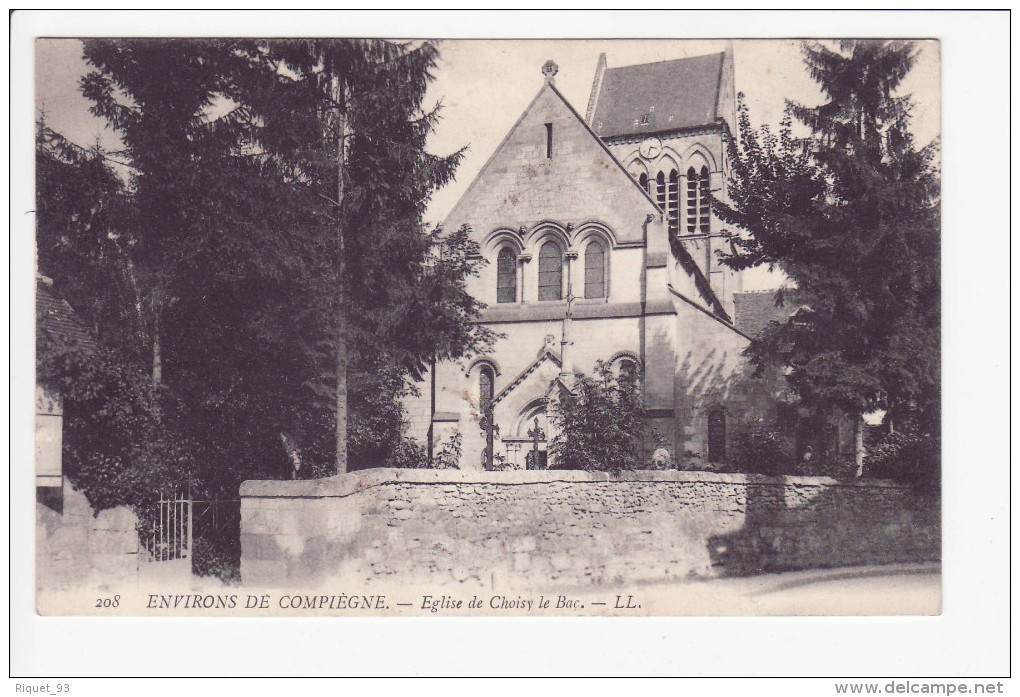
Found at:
<point>600,240</point>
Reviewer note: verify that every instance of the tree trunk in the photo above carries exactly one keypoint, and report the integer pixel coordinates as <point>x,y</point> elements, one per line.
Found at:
<point>342,359</point>
<point>859,444</point>
<point>341,378</point>
<point>157,353</point>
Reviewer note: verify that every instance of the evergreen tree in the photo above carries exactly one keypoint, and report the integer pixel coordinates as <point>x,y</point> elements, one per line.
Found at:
<point>120,442</point>
<point>79,200</point>
<point>851,215</point>
<point>267,189</point>
<point>157,96</point>
<point>210,255</point>
<point>345,118</point>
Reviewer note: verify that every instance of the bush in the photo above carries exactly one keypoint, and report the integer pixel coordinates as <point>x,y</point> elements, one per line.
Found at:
<point>448,457</point>
<point>410,454</point>
<point>602,424</point>
<point>500,464</point>
<point>212,559</point>
<point>120,444</point>
<point>908,456</point>
<point>763,449</point>
<point>661,458</point>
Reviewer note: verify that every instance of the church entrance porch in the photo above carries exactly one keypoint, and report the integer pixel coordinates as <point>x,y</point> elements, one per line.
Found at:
<point>527,445</point>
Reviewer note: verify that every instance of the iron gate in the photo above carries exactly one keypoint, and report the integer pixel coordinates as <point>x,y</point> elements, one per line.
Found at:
<point>168,539</point>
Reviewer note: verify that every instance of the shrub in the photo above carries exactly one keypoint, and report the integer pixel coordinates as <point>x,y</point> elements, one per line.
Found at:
<point>409,454</point>
<point>120,444</point>
<point>602,424</point>
<point>500,464</point>
<point>448,456</point>
<point>908,456</point>
<point>763,449</point>
<point>216,559</point>
<point>662,459</point>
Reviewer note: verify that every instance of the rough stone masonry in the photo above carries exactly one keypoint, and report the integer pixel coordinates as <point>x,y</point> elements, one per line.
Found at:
<point>532,528</point>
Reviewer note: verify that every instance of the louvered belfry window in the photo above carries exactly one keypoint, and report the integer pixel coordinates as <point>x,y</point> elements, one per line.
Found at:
<point>595,270</point>
<point>660,191</point>
<point>506,276</point>
<point>699,201</point>
<point>673,202</point>
<point>550,272</point>
<point>704,201</point>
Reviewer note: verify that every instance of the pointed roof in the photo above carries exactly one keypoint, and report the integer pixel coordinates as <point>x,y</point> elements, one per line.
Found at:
<point>523,375</point>
<point>605,148</point>
<point>457,215</point>
<point>656,97</point>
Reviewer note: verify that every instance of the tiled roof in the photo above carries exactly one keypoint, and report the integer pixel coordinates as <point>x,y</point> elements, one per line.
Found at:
<point>56,320</point>
<point>655,97</point>
<point>753,311</point>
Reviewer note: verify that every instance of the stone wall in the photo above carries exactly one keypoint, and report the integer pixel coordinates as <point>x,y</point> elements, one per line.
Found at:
<point>536,528</point>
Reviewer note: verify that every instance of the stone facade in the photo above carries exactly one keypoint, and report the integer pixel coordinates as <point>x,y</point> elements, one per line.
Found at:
<point>533,528</point>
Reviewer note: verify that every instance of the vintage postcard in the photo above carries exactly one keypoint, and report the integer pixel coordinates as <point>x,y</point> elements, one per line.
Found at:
<point>543,328</point>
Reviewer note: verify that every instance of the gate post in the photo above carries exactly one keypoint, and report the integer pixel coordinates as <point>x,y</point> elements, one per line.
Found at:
<point>191,556</point>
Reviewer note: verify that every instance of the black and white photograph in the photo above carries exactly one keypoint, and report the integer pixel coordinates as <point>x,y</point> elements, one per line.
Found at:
<point>488,327</point>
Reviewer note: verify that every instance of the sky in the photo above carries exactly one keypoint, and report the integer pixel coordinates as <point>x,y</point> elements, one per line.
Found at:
<point>485,85</point>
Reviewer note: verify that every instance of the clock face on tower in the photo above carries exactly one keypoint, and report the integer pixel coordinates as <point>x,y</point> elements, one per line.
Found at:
<point>650,148</point>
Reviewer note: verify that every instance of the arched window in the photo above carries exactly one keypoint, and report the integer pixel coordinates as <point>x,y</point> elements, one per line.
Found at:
<point>485,393</point>
<point>550,272</point>
<point>595,270</point>
<point>628,371</point>
<point>673,203</point>
<point>643,181</point>
<point>506,276</point>
<point>699,201</point>
<point>717,435</point>
<point>485,381</point>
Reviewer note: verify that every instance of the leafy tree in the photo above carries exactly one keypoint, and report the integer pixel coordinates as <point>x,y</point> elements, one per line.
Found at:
<point>119,445</point>
<point>851,215</point>
<point>601,423</point>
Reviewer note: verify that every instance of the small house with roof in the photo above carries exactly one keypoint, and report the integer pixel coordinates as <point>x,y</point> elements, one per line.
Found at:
<point>75,544</point>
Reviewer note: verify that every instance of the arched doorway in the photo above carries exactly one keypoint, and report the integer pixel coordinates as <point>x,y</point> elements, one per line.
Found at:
<point>527,444</point>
